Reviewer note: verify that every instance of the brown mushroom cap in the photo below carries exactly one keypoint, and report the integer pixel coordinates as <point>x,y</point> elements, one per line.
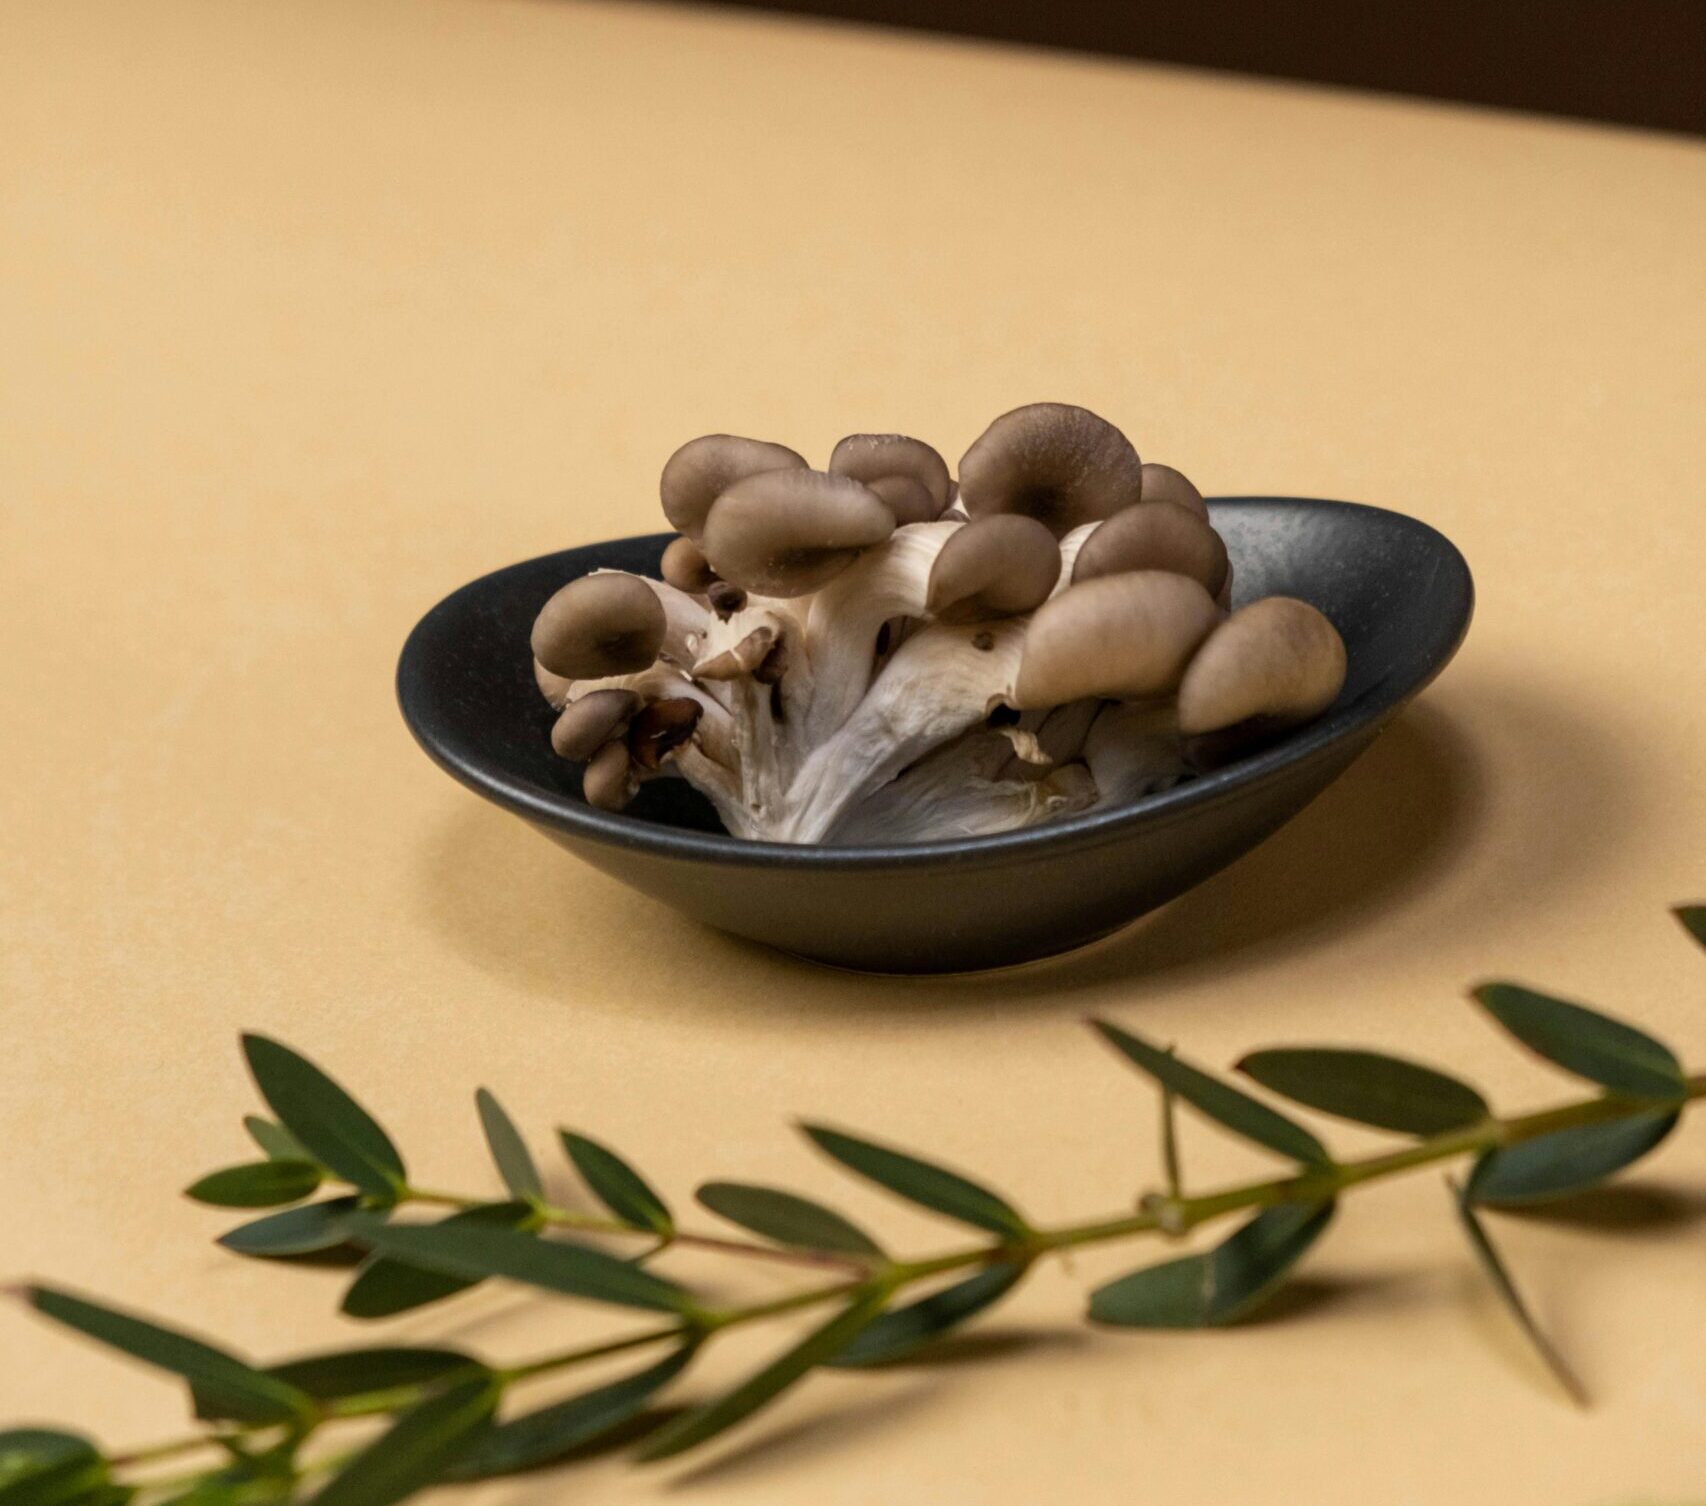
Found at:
<point>996,566</point>
<point>879,458</point>
<point>704,468</point>
<point>1154,536</point>
<point>909,500</point>
<point>785,533</point>
<point>603,624</point>
<point>662,728</point>
<point>684,567</point>
<point>554,688</point>
<point>1274,663</point>
<point>588,724</point>
<point>1161,483</point>
<point>608,782</point>
<point>1118,636</point>
<point>1059,464</point>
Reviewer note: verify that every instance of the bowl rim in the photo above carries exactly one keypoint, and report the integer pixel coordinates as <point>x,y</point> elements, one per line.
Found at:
<point>566,813</point>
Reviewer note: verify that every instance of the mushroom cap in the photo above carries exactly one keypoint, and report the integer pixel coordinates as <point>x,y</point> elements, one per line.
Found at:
<point>684,567</point>
<point>1154,536</point>
<point>1276,662</point>
<point>603,624</point>
<point>1161,483</point>
<point>1118,636</point>
<point>554,688</point>
<point>1001,565</point>
<point>608,782</point>
<point>588,724</point>
<point>908,499</point>
<point>1051,461</point>
<point>662,728</point>
<point>874,458</point>
<point>785,533</point>
<point>704,468</point>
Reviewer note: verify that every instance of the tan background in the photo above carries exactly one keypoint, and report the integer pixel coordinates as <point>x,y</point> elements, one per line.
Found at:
<point>310,311</point>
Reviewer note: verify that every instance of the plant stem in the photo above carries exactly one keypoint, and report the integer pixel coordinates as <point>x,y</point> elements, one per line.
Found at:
<point>1167,1212</point>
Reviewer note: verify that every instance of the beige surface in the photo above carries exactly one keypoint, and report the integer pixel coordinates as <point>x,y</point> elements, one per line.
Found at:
<point>310,311</point>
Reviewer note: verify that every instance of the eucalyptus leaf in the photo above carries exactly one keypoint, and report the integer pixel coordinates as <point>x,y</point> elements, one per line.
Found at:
<point>1583,1041</point>
<point>509,1151</point>
<point>275,1141</point>
<point>546,1435</point>
<point>1494,1266</point>
<point>1693,918</point>
<point>349,1372</point>
<point>386,1286</point>
<point>617,1185</point>
<point>1370,1088</point>
<point>419,1448</point>
<point>702,1423</point>
<point>1567,1160</point>
<point>67,1481</point>
<point>787,1218</point>
<point>903,1331</point>
<point>30,1453</point>
<point>337,1131</point>
<point>921,1182</point>
<point>313,1229</point>
<point>470,1251</point>
<point>257,1184</point>
<point>1231,1107</point>
<point>230,1387</point>
<point>1218,1286</point>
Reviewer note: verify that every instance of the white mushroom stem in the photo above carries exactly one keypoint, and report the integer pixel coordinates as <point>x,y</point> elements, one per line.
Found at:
<point>941,681</point>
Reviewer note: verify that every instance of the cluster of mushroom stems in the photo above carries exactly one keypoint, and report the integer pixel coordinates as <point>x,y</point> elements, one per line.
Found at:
<point>876,653</point>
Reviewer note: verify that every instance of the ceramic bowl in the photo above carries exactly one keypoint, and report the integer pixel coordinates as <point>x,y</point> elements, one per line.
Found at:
<point>1398,591</point>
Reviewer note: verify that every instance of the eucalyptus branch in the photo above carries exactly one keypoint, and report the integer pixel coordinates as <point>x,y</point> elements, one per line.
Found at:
<point>265,1426</point>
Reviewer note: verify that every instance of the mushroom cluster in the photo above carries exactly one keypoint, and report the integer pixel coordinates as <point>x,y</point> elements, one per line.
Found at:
<point>872,653</point>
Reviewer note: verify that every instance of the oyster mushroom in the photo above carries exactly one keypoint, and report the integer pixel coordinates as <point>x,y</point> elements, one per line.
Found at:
<point>1271,666</point>
<point>877,653</point>
<point>1154,536</point>
<point>785,533</point>
<point>603,624</point>
<point>704,468</point>
<point>1053,462</point>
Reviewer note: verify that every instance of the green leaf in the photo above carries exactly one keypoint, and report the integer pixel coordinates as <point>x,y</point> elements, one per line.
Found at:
<point>1592,1045</point>
<point>617,1185</point>
<point>904,1330</point>
<point>786,1218</point>
<point>1567,1160</point>
<point>258,1184</point>
<point>349,1372</point>
<point>385,1286</point>
<point>473,1252</point>
<point>702,1423</point>
<point>1693,918</point>
<point>509,1151</point>
<point>1223,1103</point>
<point>275,1141</point>
<point>418,1449</point>
<point>28,1453</point>
<point>337,1131</point>
<point>1218,1286</point>
<point>1370,1088</point>
<point>311,1230</point>
<point>933,1187</point>
<point>1506,1288</point>
<point>69,1480</point>
<point>547,1435</point>
<point>232,1388</point>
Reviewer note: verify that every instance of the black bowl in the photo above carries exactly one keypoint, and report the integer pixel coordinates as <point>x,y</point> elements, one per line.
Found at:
<point>1399,592</point>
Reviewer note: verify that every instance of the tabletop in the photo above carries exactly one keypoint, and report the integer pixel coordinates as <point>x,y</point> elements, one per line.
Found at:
<point>313,309</point>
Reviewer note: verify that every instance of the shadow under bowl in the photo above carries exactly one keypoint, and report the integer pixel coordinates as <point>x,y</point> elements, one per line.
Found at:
<point>1398,592</point>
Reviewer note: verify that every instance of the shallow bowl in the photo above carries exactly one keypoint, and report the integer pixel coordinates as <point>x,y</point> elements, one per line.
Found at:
<point>1398,591</point>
